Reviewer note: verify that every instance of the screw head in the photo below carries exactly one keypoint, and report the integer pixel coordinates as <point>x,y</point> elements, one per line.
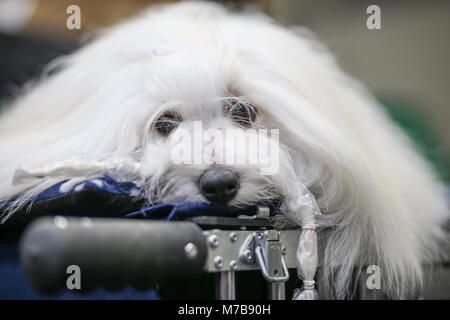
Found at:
<point>218,262</point>
<point>60,222</point>
<point>233,264</point>
<point>247,256</point>
<point>284,251</point>
<point>190,250</point>
<point>233,237</point>
<point>213,241</point>
<point>260,235</point>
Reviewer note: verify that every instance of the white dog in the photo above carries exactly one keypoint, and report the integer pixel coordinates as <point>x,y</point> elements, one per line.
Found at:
<point>130,90</point>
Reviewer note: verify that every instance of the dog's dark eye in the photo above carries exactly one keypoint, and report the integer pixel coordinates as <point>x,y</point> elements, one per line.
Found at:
<point>243,114</point>
<point>167,122</point>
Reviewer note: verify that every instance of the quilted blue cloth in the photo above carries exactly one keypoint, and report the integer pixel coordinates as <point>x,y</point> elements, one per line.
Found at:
<point>167,211</point>
<point>13,284</point>
<point>104,184</point>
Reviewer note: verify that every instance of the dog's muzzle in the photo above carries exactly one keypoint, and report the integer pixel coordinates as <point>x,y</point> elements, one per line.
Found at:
<point>219,185</point>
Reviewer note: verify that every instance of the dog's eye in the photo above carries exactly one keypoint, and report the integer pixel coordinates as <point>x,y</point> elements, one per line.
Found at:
<point>167,122</point>
<point>243,114</point>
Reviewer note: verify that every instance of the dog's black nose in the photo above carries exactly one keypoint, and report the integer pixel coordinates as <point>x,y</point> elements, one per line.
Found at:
<point>219,185</point>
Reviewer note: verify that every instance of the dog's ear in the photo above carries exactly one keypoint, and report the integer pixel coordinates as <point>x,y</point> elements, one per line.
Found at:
<point>378,191</point>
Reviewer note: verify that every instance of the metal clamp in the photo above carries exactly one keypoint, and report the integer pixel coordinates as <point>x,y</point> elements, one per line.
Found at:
<point>265,248</point>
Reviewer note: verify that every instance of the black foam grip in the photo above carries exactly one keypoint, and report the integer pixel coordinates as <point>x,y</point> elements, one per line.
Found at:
<point>110,253</point>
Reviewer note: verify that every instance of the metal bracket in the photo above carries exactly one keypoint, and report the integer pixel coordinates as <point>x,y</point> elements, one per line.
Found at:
<point>226,249</point>
<point>265,248</point>
<point>270,251</point>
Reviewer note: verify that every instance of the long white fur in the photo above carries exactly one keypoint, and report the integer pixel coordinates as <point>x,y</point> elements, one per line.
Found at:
<point>380,195</point>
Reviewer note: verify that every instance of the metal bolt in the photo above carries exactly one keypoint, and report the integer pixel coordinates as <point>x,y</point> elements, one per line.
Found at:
<point>247,256</point>
<point>213,241</point>
<point>218,262</point>
<point>284,251</point>
<point>233,237</point>
<point>190,250</point>
<point>233,264</point>
<point>60,222</point>
<point>260,235</point>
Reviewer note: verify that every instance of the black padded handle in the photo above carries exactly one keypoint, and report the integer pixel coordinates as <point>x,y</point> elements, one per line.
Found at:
<point>110,253</point>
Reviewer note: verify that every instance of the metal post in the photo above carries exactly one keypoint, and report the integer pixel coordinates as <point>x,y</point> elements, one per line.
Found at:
<point>277,291</point>
<point>227,287</point>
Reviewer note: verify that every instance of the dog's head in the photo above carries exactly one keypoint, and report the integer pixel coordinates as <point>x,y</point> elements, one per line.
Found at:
<point>227,117</point>
<point>216,126</point>
<point>210,138</point>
